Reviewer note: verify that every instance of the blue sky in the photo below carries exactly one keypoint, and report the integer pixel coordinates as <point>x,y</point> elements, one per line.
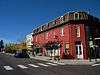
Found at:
<point>19,17</point>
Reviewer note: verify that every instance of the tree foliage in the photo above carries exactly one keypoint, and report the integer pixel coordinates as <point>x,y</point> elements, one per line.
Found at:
<point>52,45</point>
<point>14,47</point>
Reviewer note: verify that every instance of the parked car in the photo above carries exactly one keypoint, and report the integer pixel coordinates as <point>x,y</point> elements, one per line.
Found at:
<point>21,54</point>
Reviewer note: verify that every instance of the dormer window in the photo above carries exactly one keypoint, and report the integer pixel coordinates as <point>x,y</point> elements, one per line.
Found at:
<point>61,19</point>
<point>42,27</point>
<point>48,25</point>
<point>66,17</point>
<point>76,16</point>
<point>53,22</point>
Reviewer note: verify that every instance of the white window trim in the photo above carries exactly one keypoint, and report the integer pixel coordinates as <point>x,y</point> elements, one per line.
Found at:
<point>68,16</point>
<point>62,31</point>
<point>78,31</point>
<point>61,19</point>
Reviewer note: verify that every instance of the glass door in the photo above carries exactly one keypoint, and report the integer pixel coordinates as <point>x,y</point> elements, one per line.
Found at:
<point>79,51</point>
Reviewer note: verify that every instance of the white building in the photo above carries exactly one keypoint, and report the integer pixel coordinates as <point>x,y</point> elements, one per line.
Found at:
<point>29,41</point>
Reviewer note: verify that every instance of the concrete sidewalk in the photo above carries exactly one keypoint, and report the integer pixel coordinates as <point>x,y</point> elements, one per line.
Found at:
<point>68,61</point>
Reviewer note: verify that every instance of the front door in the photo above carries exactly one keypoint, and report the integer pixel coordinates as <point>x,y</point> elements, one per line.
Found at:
<point>79,51</point>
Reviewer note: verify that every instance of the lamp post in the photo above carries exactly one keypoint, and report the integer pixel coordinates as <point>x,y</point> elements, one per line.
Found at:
<point>90,39</point>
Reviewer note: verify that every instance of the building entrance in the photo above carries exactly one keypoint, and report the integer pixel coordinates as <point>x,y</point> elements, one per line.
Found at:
<point>79,50</point>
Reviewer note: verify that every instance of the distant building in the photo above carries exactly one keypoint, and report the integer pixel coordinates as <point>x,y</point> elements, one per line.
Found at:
<point>29,41</point>
<point>74,33</point>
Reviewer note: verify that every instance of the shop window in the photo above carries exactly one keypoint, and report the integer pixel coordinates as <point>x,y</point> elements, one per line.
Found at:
<point>66,45</point>
<point>66,50</point>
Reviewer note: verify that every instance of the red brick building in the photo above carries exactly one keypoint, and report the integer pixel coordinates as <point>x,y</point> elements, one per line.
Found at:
<point>69,36</point>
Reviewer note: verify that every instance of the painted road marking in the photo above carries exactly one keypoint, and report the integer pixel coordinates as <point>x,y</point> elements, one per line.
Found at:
<point>22,66</point>
<point>61,63</point>
<point>8,68</point>
<point>33,65</point>
<point>42,64</point>
<point>96,64</point>
<point>51,64</point>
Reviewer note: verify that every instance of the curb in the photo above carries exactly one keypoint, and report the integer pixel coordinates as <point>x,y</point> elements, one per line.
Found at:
<point>68,62</point>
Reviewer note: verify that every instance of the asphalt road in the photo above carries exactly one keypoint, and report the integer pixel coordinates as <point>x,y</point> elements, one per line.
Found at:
<point>10,65</point>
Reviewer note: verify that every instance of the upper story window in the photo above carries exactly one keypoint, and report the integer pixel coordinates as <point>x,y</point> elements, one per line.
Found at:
<point>54,34</point>
<point>36,38</point>
<point>78,31</point>
<point>62,31</point>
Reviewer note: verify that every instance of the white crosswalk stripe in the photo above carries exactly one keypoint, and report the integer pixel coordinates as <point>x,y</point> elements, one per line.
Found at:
<point>42,64</point>
<point>22,66</point>
<point>8,68</point>
<point>61,63</point>
<point>33,65</point>
<point>38,65</point>
<point>52,64</point>
<point>96,64</point>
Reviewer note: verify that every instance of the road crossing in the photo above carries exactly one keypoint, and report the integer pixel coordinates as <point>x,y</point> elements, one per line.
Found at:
<point>22,66</point>
<point>36,65</point>
<point>33,65</point>
<point>8,68</point>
